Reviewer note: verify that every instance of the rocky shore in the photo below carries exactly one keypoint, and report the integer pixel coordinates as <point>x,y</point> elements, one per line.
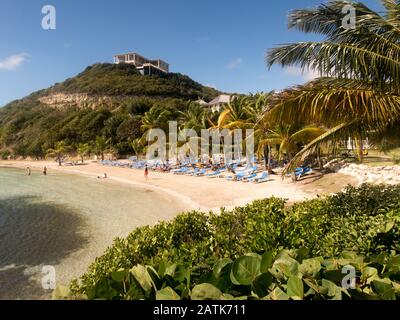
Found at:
<point>366,174</point>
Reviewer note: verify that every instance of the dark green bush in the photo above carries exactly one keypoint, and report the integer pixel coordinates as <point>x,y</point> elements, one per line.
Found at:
<point>321,226</point>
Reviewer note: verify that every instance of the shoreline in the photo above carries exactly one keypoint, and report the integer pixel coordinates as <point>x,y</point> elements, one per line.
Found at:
<point>191,193</point>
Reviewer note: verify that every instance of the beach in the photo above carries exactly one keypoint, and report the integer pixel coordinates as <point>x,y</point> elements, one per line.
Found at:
<point>97,210</point>
<point>193,193</point>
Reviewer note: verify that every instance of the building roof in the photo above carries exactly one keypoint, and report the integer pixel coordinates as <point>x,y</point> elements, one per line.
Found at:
<point>223,98</point>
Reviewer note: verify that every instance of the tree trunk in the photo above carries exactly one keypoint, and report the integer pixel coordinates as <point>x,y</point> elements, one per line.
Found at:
<point>102,156</point>
<point>359,147</point>
<point>294,178</point>
<point>59,160</point>
<point>320,164</point>
<point>266,156</point>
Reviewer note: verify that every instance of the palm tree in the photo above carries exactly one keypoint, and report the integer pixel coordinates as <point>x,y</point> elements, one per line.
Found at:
<point>83,149</point>
<point>193,118</point>
<point>101,146</point>
<point>59,151</point>
<point>290,139</point>
<point>358,91</point>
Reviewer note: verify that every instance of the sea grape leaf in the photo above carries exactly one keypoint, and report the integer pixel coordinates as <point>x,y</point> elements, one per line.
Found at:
<point>331,289</point>
<point>384,289</point>
<point>167,294</point>
<point>310,267</point>
<point>277,294</point>
<point>261,284</point>
<point>245,270</point>
<point>266,262</point>
<point>219,266</point>
<point>143,277</point>
<point>295,288</point>
<point>205,291</point>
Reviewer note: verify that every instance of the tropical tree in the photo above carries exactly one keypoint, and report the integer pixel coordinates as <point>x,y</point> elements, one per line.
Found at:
<point>290,138</point>
<point>101,146</point>
<point>358,91</point>
<point>83,149</point>
<point>60,150</point>
<point>194,117</point>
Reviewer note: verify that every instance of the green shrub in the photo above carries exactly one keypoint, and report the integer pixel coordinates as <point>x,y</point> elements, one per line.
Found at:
<point>363,220</point>
<point>291,274</point>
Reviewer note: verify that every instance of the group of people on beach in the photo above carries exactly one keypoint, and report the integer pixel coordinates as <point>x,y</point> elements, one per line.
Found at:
<point>29,171</point>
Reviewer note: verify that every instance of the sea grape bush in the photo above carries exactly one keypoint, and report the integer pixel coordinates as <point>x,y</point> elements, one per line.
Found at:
<point>362,220</point>
<point>290,274</point>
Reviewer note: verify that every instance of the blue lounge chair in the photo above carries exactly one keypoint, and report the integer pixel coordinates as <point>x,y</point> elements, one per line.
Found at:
<point>194,172</point>
<point>263,178</point>
<point>249,177</point>
<point>202,172</point>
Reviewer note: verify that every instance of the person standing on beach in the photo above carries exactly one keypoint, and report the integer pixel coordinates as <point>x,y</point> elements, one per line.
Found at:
<point>146,172</point>
<point>45,171</point>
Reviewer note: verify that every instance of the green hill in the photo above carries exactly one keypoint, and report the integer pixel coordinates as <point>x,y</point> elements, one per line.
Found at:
<point>104,100</point>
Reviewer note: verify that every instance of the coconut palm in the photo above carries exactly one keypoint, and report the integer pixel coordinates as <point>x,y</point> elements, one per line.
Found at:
<point>60,150</point>
<point>101,146</point>
<point>290,138</point>
<point>83,150</point>
<point>194,117</point>
<point>358,91</point>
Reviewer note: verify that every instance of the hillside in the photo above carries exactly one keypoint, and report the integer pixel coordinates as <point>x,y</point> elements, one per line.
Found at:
<point>105,99</point>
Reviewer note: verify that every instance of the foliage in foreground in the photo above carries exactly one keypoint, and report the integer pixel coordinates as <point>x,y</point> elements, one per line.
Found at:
<point>362,220</point>
<point>288,275</point>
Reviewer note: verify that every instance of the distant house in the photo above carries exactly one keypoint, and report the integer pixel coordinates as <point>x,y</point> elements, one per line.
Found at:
<point>144,65</point>
<point>219,102</point>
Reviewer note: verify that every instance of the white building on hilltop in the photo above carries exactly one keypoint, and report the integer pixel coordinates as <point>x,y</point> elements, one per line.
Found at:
<point>144,65</point>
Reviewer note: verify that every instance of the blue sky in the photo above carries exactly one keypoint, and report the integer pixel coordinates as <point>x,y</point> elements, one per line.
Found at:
<point>216,42</point>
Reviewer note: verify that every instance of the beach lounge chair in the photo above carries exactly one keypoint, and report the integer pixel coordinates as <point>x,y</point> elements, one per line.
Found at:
<point>214,174</point>
<point>263,178</point>
<point>249,177</point>
<point>194,172</point>
<point>202,172</point>
<point>180,171</point>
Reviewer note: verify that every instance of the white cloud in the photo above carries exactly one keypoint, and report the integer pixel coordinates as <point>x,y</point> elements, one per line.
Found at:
<point>235,63</point>
<point>13,62</point>
<point>307,75</point>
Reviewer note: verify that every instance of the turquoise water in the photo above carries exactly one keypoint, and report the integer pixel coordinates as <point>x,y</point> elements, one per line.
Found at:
<point>64,221</point>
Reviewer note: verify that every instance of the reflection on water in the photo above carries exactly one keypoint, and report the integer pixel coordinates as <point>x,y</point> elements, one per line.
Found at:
<point>66,221</point>
<point>33,233</point>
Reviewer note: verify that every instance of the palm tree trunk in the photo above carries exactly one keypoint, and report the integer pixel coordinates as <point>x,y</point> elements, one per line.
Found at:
<point>320,164</point>
<point>269,169</point>
<point>294,178</point>
<point>266,157</point>
<point>359,147</point>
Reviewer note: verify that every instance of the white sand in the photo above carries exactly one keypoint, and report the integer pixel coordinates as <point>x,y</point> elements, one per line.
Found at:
<point>200,193</point>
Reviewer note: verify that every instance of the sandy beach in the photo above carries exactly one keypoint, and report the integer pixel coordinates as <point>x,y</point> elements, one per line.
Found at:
<point>192,193</point>
<point>174,193</point>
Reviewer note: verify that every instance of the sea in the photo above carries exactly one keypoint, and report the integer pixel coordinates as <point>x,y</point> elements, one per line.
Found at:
<point>52,227</point>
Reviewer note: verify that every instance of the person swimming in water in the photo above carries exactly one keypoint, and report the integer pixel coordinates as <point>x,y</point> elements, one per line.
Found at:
<point>28,171</point>
<point>45,171</point>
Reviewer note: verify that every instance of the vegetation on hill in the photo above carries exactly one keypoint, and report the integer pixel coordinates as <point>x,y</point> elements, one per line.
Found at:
<point>183,253</point>
<point>30,128</point>
<point>125,80</point>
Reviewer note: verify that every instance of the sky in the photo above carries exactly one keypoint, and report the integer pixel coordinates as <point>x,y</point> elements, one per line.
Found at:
<point>219,43</point>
